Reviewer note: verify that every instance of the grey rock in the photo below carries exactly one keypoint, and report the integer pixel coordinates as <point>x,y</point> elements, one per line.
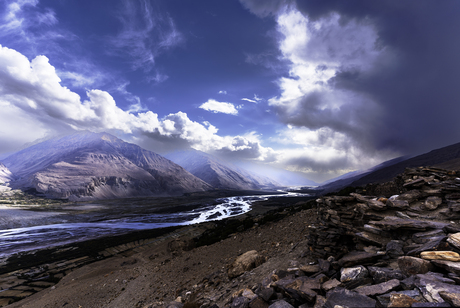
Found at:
<point>175,304</point>
<point>358,257</point>
<point>394,248</point>
<point>353,273</point>
<point>412,265</point>
<point>435,276</point>
<point>245,262</point>
<point>452,298</point>
<point>378,289</point>
<point>330,284</point>
<point>376,205</point>
<point>451,266</point>
<point>240,302</point>
<point>382,274</point>
<point>397,204</point>
<point>266,294</point>
<point>423,237</point>
<point>454,240</point>
<point>394,223</point>
<point>281,304</point>
<point>346,298</point>
<point>433,244</point>
<point>430,289</point>
<point>410,196</point>
<point>430,305</point>
<point>432,203</point>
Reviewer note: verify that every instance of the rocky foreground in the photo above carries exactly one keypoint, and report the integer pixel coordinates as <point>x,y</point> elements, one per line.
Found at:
<point>390,245</point>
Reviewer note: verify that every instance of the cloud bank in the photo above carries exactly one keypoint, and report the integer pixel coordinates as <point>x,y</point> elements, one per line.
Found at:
<point>32,91</point>
<point>366,79</point>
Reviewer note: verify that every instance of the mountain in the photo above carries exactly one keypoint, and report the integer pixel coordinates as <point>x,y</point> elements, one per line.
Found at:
<point>447,158</point>
<point>219,174</point>
<point>88,165</point>
<point>5,174</point>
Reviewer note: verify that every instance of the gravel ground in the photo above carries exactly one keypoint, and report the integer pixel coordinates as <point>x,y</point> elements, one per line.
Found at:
<point>160,274</point>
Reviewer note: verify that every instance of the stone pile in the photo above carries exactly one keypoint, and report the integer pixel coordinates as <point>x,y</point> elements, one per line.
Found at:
<point>373,251</point>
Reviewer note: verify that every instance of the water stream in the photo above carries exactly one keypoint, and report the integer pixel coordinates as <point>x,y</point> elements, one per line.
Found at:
<point>64,229</point>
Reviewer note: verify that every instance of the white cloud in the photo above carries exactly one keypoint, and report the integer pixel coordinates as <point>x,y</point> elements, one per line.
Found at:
<point>255,100</point>
<point>328,132</point>
<point>222,107</point>
<point>34,104</point>
<point>222,92</point>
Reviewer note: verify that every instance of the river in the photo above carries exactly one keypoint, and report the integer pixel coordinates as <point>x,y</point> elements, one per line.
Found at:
<point>39,228</point>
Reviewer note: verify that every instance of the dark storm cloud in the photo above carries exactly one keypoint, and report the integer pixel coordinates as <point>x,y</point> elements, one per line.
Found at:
<point>415,82</point>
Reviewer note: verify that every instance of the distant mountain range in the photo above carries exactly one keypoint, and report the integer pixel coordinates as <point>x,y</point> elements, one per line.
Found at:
<point>218,173</point>
<point>87,165</point>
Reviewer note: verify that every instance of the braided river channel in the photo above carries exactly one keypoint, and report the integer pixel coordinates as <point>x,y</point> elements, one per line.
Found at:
<point>29,228</point>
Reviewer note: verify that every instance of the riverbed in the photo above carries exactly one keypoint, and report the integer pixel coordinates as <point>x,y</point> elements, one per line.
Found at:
<point>29,228</point>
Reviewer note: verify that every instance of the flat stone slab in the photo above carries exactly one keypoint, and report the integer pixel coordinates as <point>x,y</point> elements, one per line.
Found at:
<point>378,289</point>
<point>451,266</point>
<point>358,257</point>
<point>346,298</point>
<point>394,223</point>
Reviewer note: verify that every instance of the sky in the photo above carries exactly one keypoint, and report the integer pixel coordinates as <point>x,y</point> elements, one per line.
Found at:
<point>322,87</point>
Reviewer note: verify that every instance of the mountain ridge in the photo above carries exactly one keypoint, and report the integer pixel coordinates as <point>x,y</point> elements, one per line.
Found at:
<point>87,165</point>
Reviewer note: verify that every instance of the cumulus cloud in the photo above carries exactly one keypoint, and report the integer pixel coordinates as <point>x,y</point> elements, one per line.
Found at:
<point>219,107</point>
<point>34,103</point>
<point>373,73</point>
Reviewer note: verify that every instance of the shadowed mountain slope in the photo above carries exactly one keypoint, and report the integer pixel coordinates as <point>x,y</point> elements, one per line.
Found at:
<point>218,173</point>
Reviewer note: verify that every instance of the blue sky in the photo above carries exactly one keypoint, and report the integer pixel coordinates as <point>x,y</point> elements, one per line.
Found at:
<point>321,87</point>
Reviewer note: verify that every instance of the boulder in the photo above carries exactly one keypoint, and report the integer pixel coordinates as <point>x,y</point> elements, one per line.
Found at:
<point>353,273</point>
<point>245,262</point>
<point>412,265</point>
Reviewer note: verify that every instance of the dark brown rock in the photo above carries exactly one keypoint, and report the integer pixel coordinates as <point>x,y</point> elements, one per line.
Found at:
<point>412,265</point>
<point>394,248</point>
<point>432,203</point>
<point>245,262</point>
<point>353,273</point>
<point>400,300</point>
<point>397,204</point>
<point>258,303</point>
<point>434,244</point>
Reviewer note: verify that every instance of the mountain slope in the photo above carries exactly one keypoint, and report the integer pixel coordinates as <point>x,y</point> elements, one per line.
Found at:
<point>5,174</point>
<point>217,173</point>
<point>442,156</point>
<point>97,166</point>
